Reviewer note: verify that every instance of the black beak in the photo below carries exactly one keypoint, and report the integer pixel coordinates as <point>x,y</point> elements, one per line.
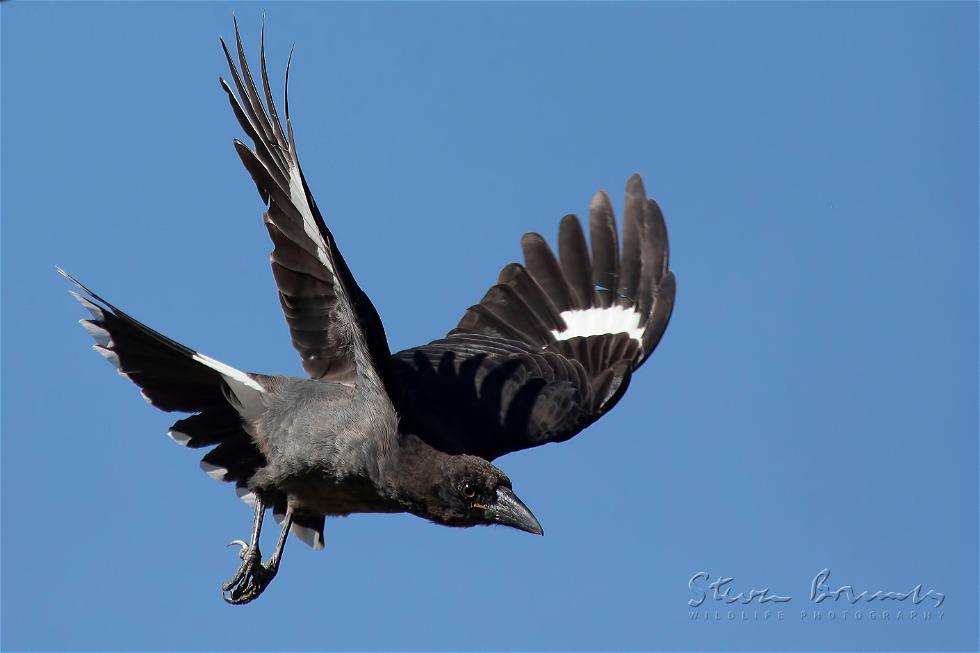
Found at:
<point>511,511</point>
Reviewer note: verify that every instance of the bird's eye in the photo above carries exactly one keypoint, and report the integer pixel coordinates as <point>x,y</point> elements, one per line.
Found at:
<point>468,491</point>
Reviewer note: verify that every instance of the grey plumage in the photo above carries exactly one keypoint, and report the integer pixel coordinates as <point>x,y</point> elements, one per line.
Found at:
<point>548,350</point>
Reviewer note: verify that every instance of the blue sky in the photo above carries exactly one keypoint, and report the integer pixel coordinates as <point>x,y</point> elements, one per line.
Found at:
<point>813,404</point>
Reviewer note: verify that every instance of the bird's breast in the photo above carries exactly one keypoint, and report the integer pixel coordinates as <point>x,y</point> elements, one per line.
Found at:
<point>324,495</point>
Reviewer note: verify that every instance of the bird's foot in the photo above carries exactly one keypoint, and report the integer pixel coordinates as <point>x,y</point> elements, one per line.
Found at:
<point>251,578</point>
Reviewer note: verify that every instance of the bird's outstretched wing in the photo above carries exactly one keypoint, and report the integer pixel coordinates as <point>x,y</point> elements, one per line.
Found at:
<point>552,346</point>
<point>329,316</point>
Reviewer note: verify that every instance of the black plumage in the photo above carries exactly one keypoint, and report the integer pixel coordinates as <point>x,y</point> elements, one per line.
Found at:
<point>605,249</point>
<point>573,255</point>
<point>549,349</point>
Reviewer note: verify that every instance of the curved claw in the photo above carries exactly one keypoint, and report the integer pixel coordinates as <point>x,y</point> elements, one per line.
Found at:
<point>233,598</point>
<point>249,559</point>
<point>241,543</point>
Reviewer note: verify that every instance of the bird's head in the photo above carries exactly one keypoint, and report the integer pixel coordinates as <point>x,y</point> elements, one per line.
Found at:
<point>469,491</point>
<point>473,492</point>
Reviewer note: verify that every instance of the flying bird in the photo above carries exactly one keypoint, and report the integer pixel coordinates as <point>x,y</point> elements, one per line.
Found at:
<point>548,350</point>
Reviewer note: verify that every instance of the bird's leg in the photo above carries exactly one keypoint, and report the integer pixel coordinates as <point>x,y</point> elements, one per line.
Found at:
<point>253,576</point>
<point>273,564</point>
<point>249,553</point>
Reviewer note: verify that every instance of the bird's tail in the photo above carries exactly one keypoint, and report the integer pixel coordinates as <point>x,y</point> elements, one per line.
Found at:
<point>176,378</point>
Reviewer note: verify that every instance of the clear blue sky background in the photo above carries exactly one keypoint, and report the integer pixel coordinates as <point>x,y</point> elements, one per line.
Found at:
<point>813,404</point>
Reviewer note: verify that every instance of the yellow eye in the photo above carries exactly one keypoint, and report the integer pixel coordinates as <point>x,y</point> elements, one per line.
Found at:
<point>468,491</point>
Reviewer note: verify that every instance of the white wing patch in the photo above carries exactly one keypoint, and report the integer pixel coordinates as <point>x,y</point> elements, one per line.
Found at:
<point>298,197</point>
<point>228,371</point>
<point>599,321</point>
